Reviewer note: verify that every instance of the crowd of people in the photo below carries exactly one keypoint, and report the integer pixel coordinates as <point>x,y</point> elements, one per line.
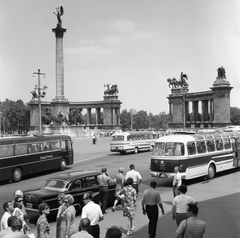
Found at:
<point>14,222</point>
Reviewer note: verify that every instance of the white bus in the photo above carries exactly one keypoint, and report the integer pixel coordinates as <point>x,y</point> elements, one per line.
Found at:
<point>133,141</point>
<point>196,155</point>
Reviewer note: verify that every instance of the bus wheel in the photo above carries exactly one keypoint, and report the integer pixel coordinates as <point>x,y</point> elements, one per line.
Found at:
<point>135,150</point>
<point>211,172</point>
<point>63,164</point>
<point>16,175</point>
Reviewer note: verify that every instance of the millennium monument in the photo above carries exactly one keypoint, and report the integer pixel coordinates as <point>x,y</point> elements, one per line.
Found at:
<point>199,109</point>
<point>61,107</point>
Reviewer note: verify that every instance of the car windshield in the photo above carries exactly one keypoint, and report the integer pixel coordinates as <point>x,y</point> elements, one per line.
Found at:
<point>55,185</point>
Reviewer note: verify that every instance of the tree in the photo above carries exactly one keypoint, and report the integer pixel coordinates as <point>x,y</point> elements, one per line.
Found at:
<point>235,115</point>
<point>75,116</point>
<point>125,119</point>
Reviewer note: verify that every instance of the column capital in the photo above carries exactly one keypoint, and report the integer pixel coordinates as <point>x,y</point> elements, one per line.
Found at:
<point>59,31</point>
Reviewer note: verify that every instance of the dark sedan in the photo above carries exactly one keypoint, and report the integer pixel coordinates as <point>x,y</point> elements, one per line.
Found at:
<point>75,183</point>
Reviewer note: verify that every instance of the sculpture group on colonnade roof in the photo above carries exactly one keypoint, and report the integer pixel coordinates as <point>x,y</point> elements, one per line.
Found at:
<point>221,72</point>
<point>113,90</point>
<point>181,83</point>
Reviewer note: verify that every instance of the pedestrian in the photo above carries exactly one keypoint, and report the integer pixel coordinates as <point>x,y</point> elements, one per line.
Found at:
<point>60,220</point>
<point>191,227</point>
<point>94,139</point>
<point>103,183</point>
<point>20,212</point>
<point>150,202</point>
<point>8,208</point>
<point>84,227</point>
<point>180,204</point>
<point>128,195</point>
<point>113,232</point>
<point>119,186</point>
<point>69,215</point>
<point>135,175</point>
<point>93,212</point>
<point>177,181</point>
<point>16,226</point>
<point>8,229</point>
<point>43,227</point>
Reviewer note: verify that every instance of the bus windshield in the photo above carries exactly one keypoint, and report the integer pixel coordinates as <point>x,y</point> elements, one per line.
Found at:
<point>169,149</point>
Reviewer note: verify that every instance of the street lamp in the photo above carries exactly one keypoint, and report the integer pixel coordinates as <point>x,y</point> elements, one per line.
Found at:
<point>39,95</point>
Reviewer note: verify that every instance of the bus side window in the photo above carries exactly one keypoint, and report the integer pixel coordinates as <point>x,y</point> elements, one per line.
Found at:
<point>219,144</point>
<point>63,145</point>
<point>210,146</point>
<point>6,150</point>
<point>191,148</point>
<point>227,144</point>
<point>201,147</point>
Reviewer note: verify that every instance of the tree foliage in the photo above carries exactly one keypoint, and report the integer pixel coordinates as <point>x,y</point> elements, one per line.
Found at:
<point>15,116</point>
<point>235,115</point>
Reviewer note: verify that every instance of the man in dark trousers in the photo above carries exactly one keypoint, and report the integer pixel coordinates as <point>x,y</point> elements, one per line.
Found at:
<point>150,202</point>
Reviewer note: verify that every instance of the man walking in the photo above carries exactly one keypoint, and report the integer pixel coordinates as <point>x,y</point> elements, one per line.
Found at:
<point>135,175</point>
<point>103,182</point>
<point>84,227</point>
<point>8,208</point>
<point>177,181</point>
<point>191,227</point>
<point>150,202</point>
<point>93,212</point>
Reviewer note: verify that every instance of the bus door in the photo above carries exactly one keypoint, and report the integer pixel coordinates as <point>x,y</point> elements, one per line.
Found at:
<point>236,149</point>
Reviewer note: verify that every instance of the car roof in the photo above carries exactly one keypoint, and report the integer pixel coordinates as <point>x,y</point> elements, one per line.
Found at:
<point>68,176</point>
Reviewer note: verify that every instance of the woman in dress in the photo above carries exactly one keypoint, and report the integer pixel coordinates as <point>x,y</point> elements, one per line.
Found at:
<point>129,196</point>
<point>119,186</point>
<point>43,227</point>
<point>20,212</point>
<point>60,221</point>
<point>69,215</point>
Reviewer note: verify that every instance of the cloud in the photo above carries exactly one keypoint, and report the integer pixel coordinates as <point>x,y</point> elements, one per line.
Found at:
<point>123,25</point>
<point>112,41</point>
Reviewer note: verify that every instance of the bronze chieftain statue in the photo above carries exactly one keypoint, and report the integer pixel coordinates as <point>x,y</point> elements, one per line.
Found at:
<point>59,13</point>
<point>221,72</point>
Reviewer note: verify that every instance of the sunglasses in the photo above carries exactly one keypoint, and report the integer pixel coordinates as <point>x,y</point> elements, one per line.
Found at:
<point>20,200</point>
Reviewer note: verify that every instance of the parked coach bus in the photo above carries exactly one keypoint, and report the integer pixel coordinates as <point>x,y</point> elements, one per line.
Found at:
<point>133,141</point>
<point>20,156</point>
<point>196,155</point>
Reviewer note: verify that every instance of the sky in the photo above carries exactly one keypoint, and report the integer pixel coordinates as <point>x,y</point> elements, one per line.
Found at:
<point>136,44</point>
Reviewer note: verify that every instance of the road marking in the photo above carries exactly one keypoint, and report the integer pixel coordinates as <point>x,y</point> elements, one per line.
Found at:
<point>95,157</point>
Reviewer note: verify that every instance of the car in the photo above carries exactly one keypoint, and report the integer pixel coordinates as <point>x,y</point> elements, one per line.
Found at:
<point>75,183</point>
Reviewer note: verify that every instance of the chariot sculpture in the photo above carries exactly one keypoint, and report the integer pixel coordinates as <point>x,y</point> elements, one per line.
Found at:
<point>181,83</point>
<point>113,90</point>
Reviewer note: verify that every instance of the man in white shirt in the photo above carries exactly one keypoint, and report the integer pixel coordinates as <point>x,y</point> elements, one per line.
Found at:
<point>177,181</point>
<point>8,230</point>
<point>135,175</point>
<point>84,227</point>
<point>93,212</point>
<point>8,208</point>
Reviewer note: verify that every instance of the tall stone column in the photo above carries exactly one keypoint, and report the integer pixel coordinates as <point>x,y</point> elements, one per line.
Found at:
<point>59,32</point>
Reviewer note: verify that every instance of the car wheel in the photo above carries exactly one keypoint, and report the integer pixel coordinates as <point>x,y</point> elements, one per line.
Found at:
<point>63,164</point>
<point>211,171</point>
<point>17,175</point>
<point>135,150</point>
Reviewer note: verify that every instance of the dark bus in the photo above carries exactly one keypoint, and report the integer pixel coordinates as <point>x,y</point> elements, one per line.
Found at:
<point>25,155</point>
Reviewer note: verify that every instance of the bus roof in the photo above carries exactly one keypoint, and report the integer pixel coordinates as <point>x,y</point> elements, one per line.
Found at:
<point>134,133</point>
<point>197,137</point>
<point>32,138</point>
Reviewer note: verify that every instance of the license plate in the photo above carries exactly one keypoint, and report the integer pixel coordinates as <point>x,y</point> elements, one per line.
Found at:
<point>29,205</point>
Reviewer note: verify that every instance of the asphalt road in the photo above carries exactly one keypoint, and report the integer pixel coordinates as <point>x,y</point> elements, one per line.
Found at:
<point>219,199</point>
